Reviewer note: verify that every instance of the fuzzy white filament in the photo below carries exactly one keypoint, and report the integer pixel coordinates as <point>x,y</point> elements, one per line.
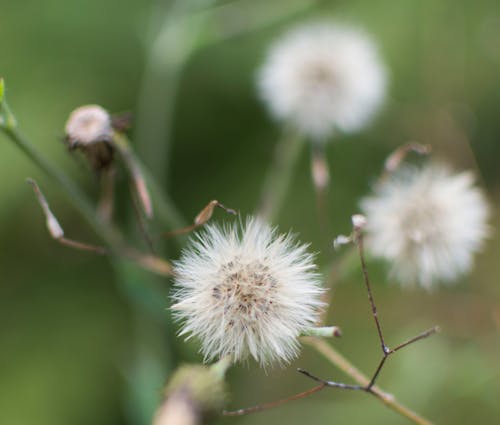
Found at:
<point>427,223</point>
<point>245,291</point>
<point>88,124</point>
<point>323,77</point>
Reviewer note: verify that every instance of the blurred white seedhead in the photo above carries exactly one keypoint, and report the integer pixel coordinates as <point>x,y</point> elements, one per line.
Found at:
<point>89,128</point>
<point>427,223</point>
<point>323,77</point>
<point>88,124</point>
<point>245,291</point>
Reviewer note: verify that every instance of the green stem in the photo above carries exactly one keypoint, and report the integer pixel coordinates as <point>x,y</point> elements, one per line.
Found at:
<point>73,193</point>
<point>173,45</point>
<point>280,175</point>
<point>323,332</point>
<point>164,205</point>
<point>220,367</point>
<point>145,294</point>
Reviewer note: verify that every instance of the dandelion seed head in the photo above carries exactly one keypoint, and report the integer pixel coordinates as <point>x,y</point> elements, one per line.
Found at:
<point>323,77</point>
<point>245,291</point>
<point>427,223</point>
<point>88,124</point>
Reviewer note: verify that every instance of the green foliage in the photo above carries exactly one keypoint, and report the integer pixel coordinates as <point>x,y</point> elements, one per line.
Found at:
<point>2,91</point>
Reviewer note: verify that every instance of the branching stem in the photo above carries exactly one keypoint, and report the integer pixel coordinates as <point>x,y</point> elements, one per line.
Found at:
<point>267,406</point>
<point>359,242</point>
<point>352,371</point>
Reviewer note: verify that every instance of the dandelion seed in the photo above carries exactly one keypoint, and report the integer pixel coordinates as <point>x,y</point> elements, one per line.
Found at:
<point>245,291</point>
<point>427,223</point>
<point>323,77</point>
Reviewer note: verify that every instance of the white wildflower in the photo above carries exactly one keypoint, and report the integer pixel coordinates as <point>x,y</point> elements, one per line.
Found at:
<point>427,223</point>
<point>246,291</point>
<point>88,124</point>
<point>323,77</point>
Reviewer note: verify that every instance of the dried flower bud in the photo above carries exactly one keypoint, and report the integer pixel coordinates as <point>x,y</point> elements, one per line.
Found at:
<point>341,240</point>
<point>88,124</point>
<point>89,128</point>
<point>358,221</point>
<point>193,392</point>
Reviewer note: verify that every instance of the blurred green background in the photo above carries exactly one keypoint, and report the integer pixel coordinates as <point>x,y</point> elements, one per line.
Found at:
<point>74,349</point>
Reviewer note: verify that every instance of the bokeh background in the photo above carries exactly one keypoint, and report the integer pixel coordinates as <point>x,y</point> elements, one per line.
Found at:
<point>86,341</point>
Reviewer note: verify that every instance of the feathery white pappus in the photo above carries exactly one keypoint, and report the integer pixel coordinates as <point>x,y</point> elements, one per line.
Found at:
<point>427,223</point>
<point>323,77</point>
<point>246,291</point>
<point>88,124</point>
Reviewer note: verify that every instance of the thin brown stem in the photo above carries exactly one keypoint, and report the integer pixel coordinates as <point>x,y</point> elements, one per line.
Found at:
<point>100,250</point>
<point>377,371</point>
<point>149,262</point>
<point>271,405</point>
<point>331,383</point>
<point>359,242</point>
<point>143,227</point>
<point>352,371</point>
<point>106,199</point>
<point>386,355</point>
<point>202,218</point>
<point>425,334</point>
<point>358,222</point>
<point>134,169</point>
<point>55,229</point>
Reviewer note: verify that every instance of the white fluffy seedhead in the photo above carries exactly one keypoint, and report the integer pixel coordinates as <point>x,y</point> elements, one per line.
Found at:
<point>427,223</point>
<point>88,124</point>
<point>245,291</point>
<point>323,77</point>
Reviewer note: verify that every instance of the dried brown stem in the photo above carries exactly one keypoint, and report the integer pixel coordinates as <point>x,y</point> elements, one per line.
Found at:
<point>359,243</point>
<point>55,229</point>
<point>395,159</point>
<point>365,384</point>
<point>202,218</point>
<point>143,227</point>
<point>425,334</point>
<point>147,261</point>
<point>267,406</point>
<point>349,369</point>
<point>100,250</point>
<point>106,200</point>
<point>150,262</point>
<point>122,146</point>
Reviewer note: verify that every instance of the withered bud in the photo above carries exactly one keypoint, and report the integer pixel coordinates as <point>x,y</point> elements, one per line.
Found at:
<point>358,221</point>
<point>178,409</point>
<point>193,392</point>
<point>89,128</point>
<point>341,240</point>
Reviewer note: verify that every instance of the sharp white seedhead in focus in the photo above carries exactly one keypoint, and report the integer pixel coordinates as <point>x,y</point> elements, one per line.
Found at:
<point>246,291</point>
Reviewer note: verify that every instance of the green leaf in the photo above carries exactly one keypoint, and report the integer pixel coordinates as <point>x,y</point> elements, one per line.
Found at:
<point>2,90</point>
